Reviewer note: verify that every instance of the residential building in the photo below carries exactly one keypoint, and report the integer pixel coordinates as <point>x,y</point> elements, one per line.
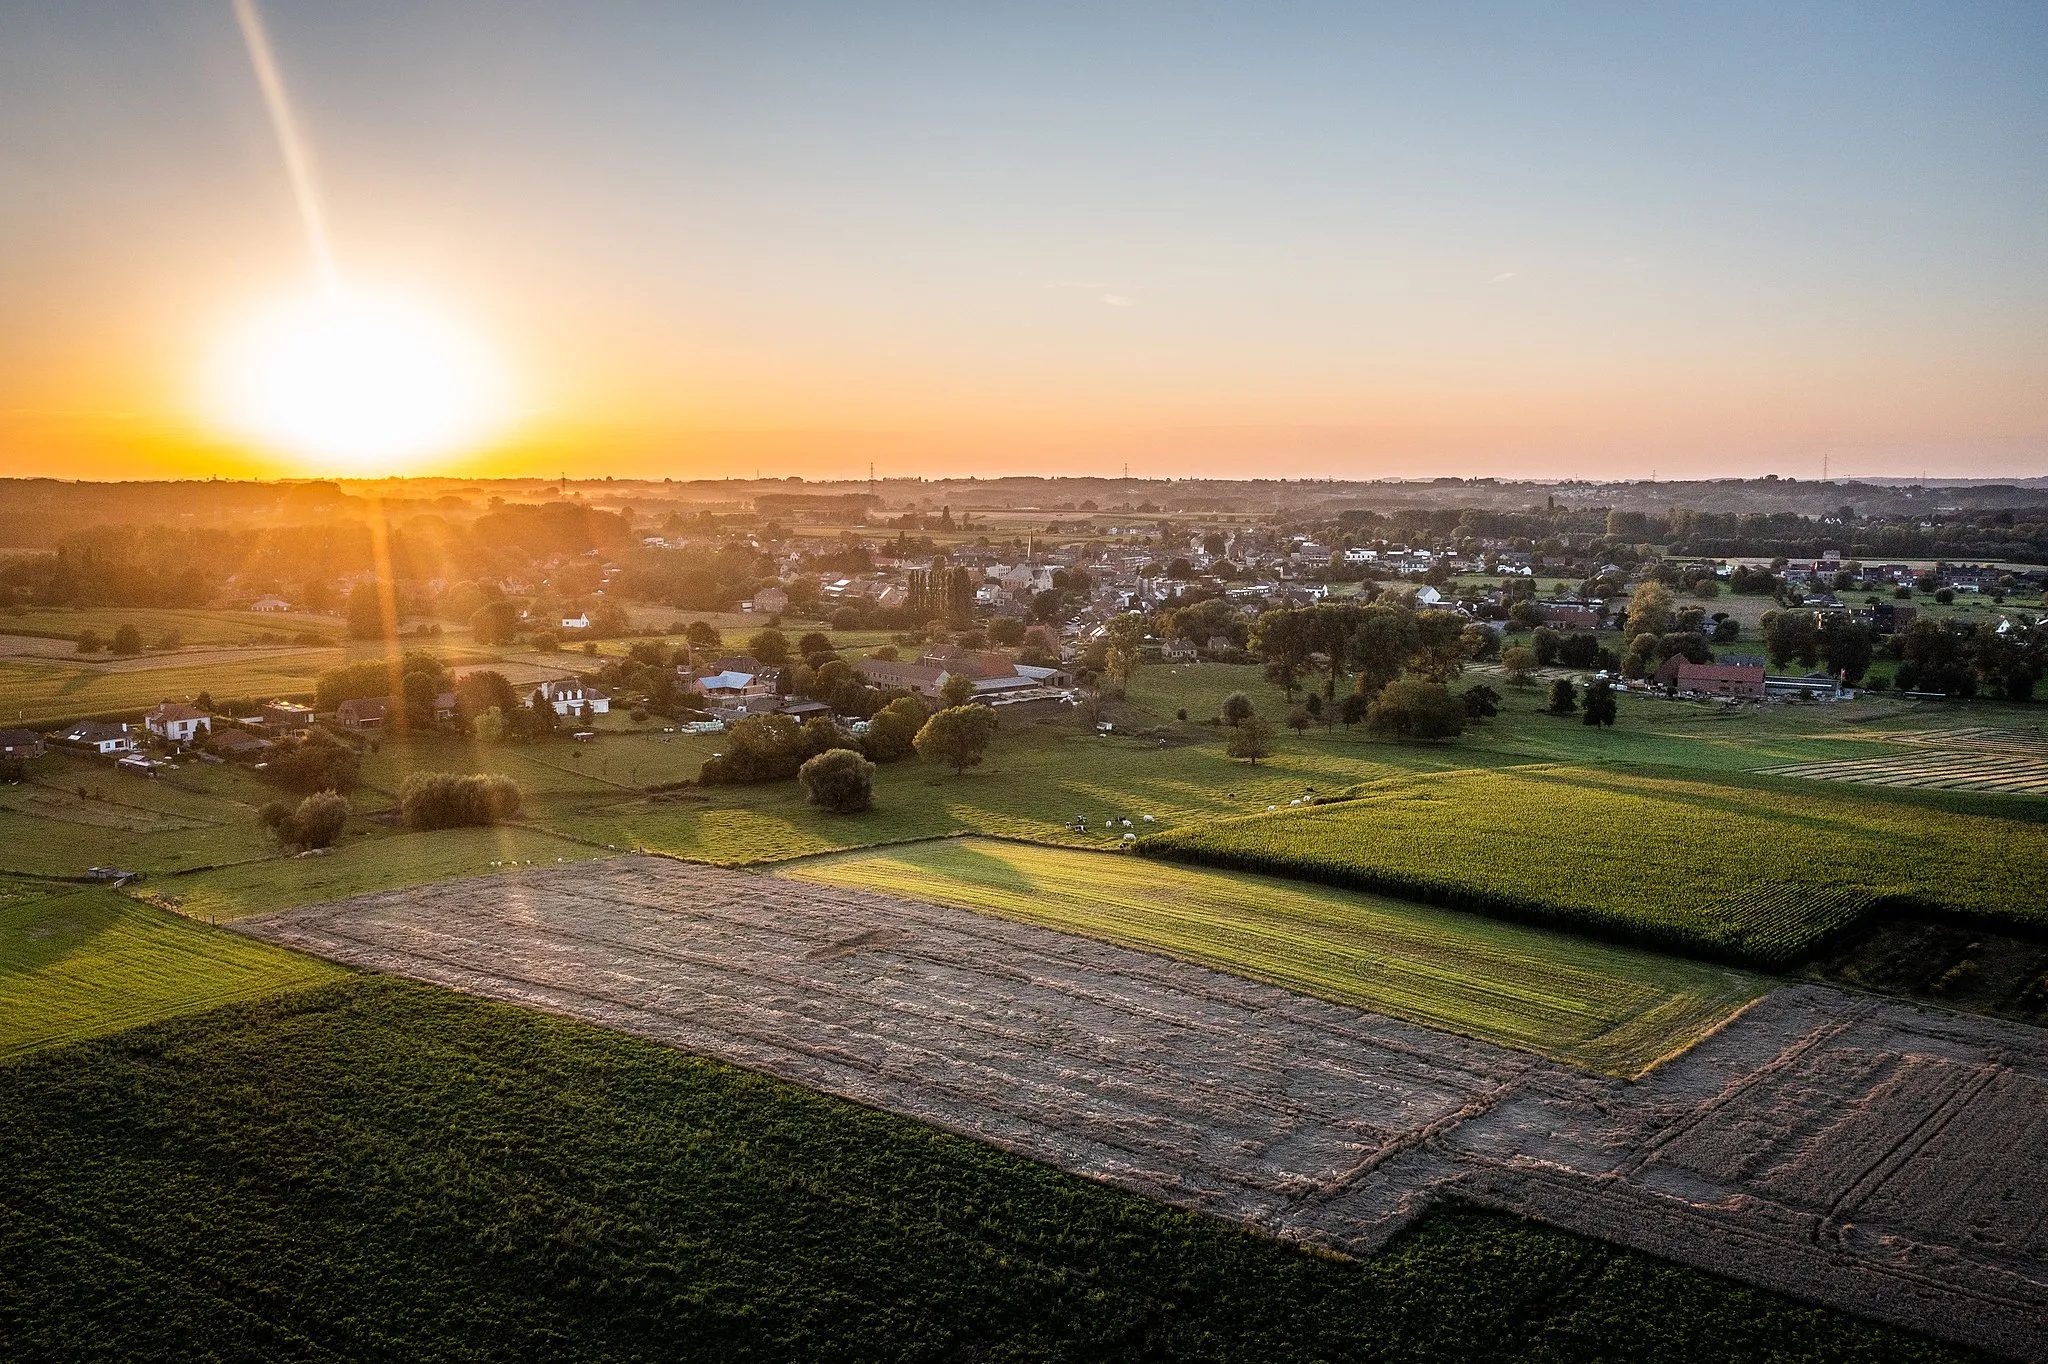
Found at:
<point>363,713</point>
<point>177,723</point>
<point>287,717</point>
<point>579,621</point>
<point>1565,616</point>
<point>773,600</point>
<point>238,743</point>
<point>100,738</point>
<point>270,604</point>
<point>20,743</point>
<point>575,697</point>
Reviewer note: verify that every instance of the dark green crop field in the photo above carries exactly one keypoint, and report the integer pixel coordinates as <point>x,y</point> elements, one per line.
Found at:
<point>381,1171</point>
<point>1740,873</point>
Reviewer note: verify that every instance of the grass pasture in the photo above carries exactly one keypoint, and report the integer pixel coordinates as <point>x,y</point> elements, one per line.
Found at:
<point>192,626</point>
<point>81,963</point>
<point>1751,875</point>
<point>384,1170</point>
<point>1612,1009</point>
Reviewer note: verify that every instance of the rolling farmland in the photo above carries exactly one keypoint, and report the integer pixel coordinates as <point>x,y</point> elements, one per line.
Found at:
<point>81,963</point>
<point>1612,1009</point>
<point>1740,874</point>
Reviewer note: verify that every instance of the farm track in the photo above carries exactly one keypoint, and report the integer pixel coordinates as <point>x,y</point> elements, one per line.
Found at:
<point>1862,1155</point>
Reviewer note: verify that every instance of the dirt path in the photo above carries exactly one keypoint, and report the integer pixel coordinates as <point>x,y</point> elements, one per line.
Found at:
<point>1859,1154</point>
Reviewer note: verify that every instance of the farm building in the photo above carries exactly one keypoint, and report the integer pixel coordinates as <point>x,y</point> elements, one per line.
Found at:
<point>20,743</point>
<point>270,604</point>
<point>993,674</point>
<point>1567,616</point>
<point>1713,679</point>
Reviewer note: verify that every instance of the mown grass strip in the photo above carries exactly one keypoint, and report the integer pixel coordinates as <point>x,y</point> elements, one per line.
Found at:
<point>1612,1009</point>
<point>91,962</point>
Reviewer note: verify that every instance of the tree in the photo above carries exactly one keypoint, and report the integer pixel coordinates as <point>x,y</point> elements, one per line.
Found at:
<point>315,762</point>
<point>1298,719</point>
<point>1041,648</point>
<point>1441,647</point>
<point>1384,640</point>
<point>816,645</point>
<point>1520,665</point>
<point>490,725</point>
<point>1314,706</point>
<point>366,613</point>
<point>1564,697</point>
<point>958,690</point>
<point>770,646</point>
<point>1351,708</point>
<point>1417,710</point>
<point>1252,739</point>
<point>1237,708</point>
<point>1007,631</point>
<point>495,623</point>
<point>701,635</point>
<point>1281,640</point>
<point>1649,610</point>
<point>1481,702</point>
<point>839,780</point>
<point>127,640</point>
<point>1600,703</point>
<point>1126,640</point>
<point>958,735</point>
<point>1545,643</point>
<point>892,733</point>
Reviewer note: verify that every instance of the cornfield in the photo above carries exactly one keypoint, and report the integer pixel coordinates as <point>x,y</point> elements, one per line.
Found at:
<point>1735,874</point>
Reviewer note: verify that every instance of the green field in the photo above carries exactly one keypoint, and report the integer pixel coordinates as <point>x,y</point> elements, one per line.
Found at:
<point>192,626</point>
<point>83,962</point>
<point>1752,875</point>
<point>1612,1009</point>
<point>381,1170</point>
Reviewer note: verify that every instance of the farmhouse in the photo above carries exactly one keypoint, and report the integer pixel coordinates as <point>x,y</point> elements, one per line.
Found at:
<point>575,697</point>
<point>362,713</point>
<point>177,723</point>
<point>1713,679</point>
<point>270,604</point>
<point>736,690</point>
<point>100,738</point>
<point>20,743</point>
<point>773,600</point>
<point>1567,616</point>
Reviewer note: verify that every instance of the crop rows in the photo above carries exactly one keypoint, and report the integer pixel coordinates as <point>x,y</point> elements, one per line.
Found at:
<point>2013,776</point>
<point>1729,873</point>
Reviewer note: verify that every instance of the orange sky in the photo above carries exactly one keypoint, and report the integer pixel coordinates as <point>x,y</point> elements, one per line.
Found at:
<point>1302,242</point>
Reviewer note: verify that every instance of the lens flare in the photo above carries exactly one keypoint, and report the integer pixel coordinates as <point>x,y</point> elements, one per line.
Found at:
<point>357,384</point>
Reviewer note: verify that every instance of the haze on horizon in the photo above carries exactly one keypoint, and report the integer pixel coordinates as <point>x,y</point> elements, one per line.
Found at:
<point>1274,240</point>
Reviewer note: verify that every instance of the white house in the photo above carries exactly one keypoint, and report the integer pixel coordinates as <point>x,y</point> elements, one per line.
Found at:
<point>100,738</point>
<point>270,604</point>
<point>579,621</point>
<point>575,697</point>
<point>178,723</point>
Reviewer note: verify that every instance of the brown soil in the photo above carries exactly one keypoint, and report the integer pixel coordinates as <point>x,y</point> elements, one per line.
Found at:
<point>1858,1153</point>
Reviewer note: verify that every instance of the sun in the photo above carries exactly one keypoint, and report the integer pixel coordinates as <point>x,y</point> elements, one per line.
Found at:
<point>357,383</point>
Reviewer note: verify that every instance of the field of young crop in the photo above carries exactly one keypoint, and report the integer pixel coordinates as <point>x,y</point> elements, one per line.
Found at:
<point>2009,762</point>
<point>191,626</point>
<point>1612,1009</point>
<point>78,963</point>
<point>423,1175</point>
<point>1742,874</point>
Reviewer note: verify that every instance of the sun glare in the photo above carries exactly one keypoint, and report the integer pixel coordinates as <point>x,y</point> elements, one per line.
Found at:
<point>357,384</point>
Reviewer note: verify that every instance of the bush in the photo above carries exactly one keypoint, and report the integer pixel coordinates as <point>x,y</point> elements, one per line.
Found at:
<point>1416,710</point>
<point>314,823</point>
<point>839,780</point>
<point>450,800</point>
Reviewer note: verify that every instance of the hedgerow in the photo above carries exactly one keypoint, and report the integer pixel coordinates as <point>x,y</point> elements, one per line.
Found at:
<point>1745,875</point>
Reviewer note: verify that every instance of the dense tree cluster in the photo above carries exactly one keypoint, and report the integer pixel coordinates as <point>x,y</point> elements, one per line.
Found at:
<point>450,800</point>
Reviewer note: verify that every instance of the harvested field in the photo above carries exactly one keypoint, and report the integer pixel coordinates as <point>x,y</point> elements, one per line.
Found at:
<point>2003,761</point>
<point>1860,1155</point>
